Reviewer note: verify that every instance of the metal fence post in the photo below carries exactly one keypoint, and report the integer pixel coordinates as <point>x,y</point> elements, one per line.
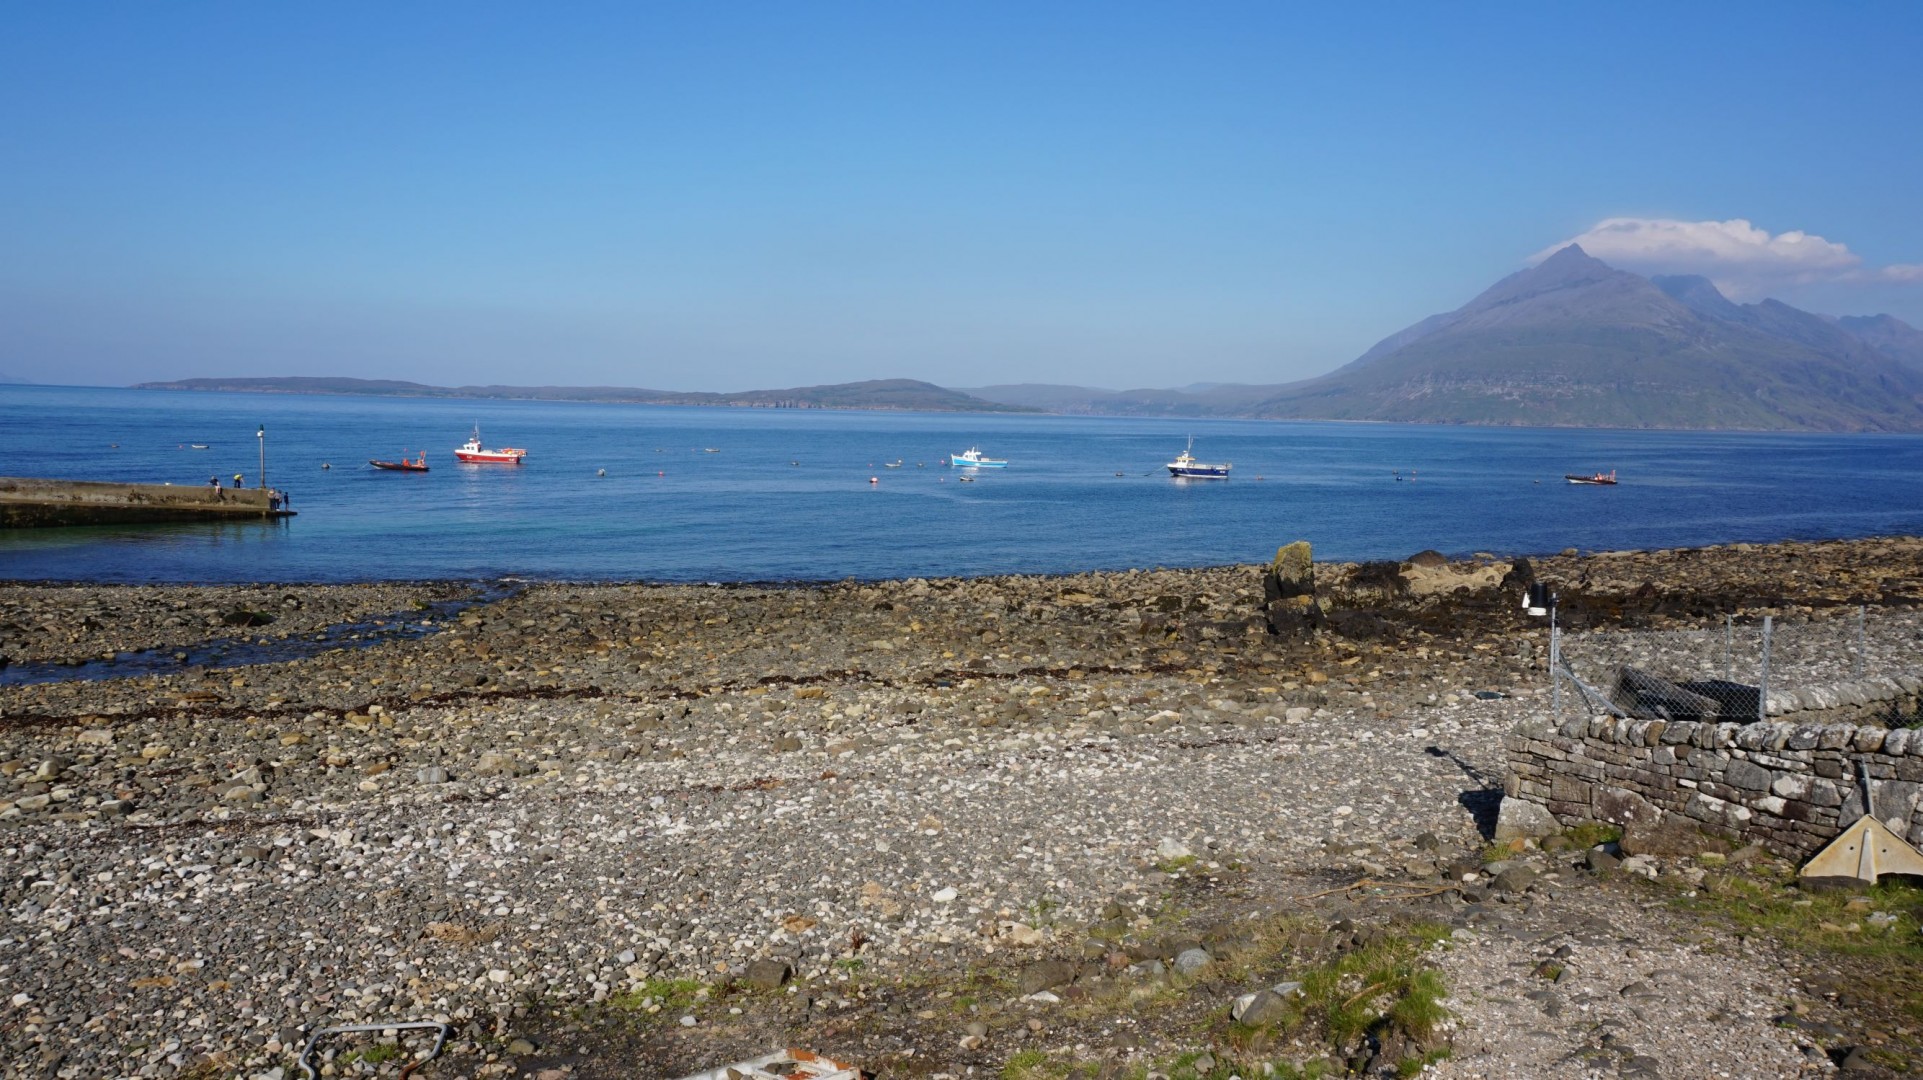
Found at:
<point>1555,667</point>
<point>1862,645</point>
<point>1762,683</point>
<point>1729,648</point>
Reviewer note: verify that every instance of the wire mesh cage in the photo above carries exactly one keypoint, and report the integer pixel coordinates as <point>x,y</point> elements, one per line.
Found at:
<point>1722,673</point>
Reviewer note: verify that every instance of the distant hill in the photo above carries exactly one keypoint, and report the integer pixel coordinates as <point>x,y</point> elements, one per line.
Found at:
<point>1201,399</point>
<point>1574,342</point>
<point>903,394</point>
<point>10,380</point>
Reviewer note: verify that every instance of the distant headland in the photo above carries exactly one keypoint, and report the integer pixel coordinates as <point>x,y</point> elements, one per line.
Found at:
<point>896,394</point>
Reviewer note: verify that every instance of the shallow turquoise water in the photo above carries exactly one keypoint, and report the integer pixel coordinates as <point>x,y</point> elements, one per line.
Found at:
<point>669,511</point>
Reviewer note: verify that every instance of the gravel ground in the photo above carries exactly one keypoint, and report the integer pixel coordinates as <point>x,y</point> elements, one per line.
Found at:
<point>1641,995</point>
<point>564,794</point>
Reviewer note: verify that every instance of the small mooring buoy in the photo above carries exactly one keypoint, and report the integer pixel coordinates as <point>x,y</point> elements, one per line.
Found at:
<point>600,472</point>
<point>874,479</point>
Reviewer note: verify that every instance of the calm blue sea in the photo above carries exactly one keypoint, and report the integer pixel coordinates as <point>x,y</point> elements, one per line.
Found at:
<point>787,496</point>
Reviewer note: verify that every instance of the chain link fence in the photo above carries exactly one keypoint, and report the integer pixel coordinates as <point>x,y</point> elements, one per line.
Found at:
<point>1727,672</point>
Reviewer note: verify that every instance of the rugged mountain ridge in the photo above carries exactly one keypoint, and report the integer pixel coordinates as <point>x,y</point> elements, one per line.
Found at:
<point>1892,337</point>
<point>1576,342</point>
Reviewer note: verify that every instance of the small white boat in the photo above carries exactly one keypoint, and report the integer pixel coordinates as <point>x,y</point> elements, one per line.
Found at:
<point>1607,479</point>
<point>472,451</point>
<point>1186,465</point>
<point>973,459</point>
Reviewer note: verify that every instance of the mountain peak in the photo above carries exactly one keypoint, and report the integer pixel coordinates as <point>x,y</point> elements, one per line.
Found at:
<point>1571,255</point>
<point>1568,266</point>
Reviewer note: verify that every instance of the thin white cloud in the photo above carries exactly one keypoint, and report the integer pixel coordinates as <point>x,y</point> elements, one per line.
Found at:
<point>1744,261</point>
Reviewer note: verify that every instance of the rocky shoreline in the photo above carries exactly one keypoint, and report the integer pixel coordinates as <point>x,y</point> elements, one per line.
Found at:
<point>819,815</point>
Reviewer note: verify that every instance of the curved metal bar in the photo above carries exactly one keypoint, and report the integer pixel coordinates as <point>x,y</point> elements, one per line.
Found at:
<point>306,1063</point>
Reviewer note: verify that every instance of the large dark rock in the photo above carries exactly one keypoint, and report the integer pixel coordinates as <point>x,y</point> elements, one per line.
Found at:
<point>1362,625</point>
<point>1521,575</point>
<point>1377,581</point>
<point>1288,590</point>
<point>1263,1008</point>
<point>1045,974</point>
<point>768,974</point>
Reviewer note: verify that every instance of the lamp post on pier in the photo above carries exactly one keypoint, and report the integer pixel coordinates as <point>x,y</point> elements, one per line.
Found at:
<point>262,436</point>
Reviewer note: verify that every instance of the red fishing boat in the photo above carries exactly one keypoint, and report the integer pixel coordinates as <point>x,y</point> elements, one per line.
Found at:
<point>403,465</point>
<point>473,451</point>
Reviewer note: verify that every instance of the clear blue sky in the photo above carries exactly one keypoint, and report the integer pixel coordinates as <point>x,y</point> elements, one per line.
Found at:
<point>737,195</point>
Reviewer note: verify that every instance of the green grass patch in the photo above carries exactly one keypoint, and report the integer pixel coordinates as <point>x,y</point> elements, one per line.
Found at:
<point>373,1055</point>
<point>658,994</point>
<point>1033,1065</point>
<point>1588,834</point>
<point>1409,1067</point>
<point>1176,865</point>
<point>1808,919</point>
<point>1385,985</point>
<point>1387,981</point>
<point>1885,962</point>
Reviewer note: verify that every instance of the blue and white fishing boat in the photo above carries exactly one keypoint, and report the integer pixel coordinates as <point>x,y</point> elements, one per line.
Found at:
<point>973,459</point>
<point>1186,465</point>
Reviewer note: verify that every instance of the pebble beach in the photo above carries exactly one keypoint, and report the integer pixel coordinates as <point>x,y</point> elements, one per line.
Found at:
<point>817,809</point>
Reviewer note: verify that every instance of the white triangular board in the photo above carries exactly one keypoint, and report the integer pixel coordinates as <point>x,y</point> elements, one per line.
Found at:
<point>1865,851</point>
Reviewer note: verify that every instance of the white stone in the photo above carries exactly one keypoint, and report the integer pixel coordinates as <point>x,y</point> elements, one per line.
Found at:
<point>1791,787</point>
<point>1518,819</point>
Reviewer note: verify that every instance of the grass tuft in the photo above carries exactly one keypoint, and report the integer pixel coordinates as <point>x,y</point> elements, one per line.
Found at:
<point>1588,834</point>
<point>1032,1065</point>
<point>1411,1067</point>
<point>1381,987</point>
<point>658,994</point>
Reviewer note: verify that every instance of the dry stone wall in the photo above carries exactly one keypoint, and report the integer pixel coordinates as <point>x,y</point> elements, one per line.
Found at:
<point>1787,784</point>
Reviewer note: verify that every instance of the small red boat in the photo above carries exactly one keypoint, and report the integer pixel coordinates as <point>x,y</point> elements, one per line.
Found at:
<point>403,465</point>
<point>472,451</point>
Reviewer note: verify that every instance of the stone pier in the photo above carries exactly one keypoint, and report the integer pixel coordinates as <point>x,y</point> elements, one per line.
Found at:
<point>27,503</point>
